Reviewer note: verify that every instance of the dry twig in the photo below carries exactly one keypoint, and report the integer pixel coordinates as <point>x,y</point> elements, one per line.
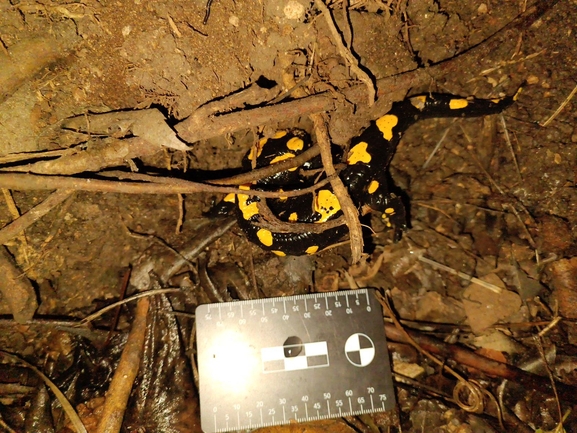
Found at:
<point>149,124</point>
<point>125,374</point>
<point>346,54</point>
<point>112,306</point>
<point>157,185</point>
<point>99,154</point>
<point>260,173</point>
<point>561,107</point>
<point>19,225</point>
<point>349,209</point>
<point>464,276</point>
<point>16,289</point>
<point>437,146</point>
<point>510,146</point>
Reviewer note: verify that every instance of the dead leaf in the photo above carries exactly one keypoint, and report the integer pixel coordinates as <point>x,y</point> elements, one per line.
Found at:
<point>484,308</point>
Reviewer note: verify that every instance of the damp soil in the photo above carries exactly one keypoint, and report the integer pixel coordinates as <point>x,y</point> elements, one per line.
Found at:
<point>493,197</point>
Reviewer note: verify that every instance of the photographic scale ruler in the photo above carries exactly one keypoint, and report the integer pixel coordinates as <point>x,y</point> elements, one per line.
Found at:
<point>274,361</point>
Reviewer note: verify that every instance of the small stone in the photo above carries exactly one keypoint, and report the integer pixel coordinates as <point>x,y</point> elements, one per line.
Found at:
<point>294,10</point>
<point>492,81</point>
<point>532,79</point>
<point>538,23</point>
<point>234,20</point>
<point>554,234</point>
<point>482,9</point>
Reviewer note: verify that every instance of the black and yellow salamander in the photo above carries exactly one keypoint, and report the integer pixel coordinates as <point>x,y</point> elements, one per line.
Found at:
<point>365,175</point>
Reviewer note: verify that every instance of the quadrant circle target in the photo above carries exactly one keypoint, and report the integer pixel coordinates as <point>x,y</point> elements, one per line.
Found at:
<point>359,349</point>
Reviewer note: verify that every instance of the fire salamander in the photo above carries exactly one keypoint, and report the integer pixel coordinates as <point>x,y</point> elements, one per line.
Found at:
<point>365,176</point>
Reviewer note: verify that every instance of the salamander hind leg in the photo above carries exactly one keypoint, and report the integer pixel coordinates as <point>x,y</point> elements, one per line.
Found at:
<point>395,216</point>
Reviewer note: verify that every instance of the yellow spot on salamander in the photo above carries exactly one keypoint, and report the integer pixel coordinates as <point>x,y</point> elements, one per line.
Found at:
<point>418,102</point>
<point>265,236</point>
<point>279,253</point>
<point>251,153</point>
<point>282,197</point>
<point>229,198</point>
<point>326,204</point>
<point>386,125</point>
<point>295,143</point>
<point>359,154</point>
<point>373,186</point>
<point>257,148</point>
<point>248,209</point>
<point>311,250</point>
<point>244,187</point>
<point>496,100</point>
<point>284,157</point>
<point>279,134</point>
<point>457,104</point>
<point>386,220</point>
<point>385,216</point>
<point>293,217</point>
